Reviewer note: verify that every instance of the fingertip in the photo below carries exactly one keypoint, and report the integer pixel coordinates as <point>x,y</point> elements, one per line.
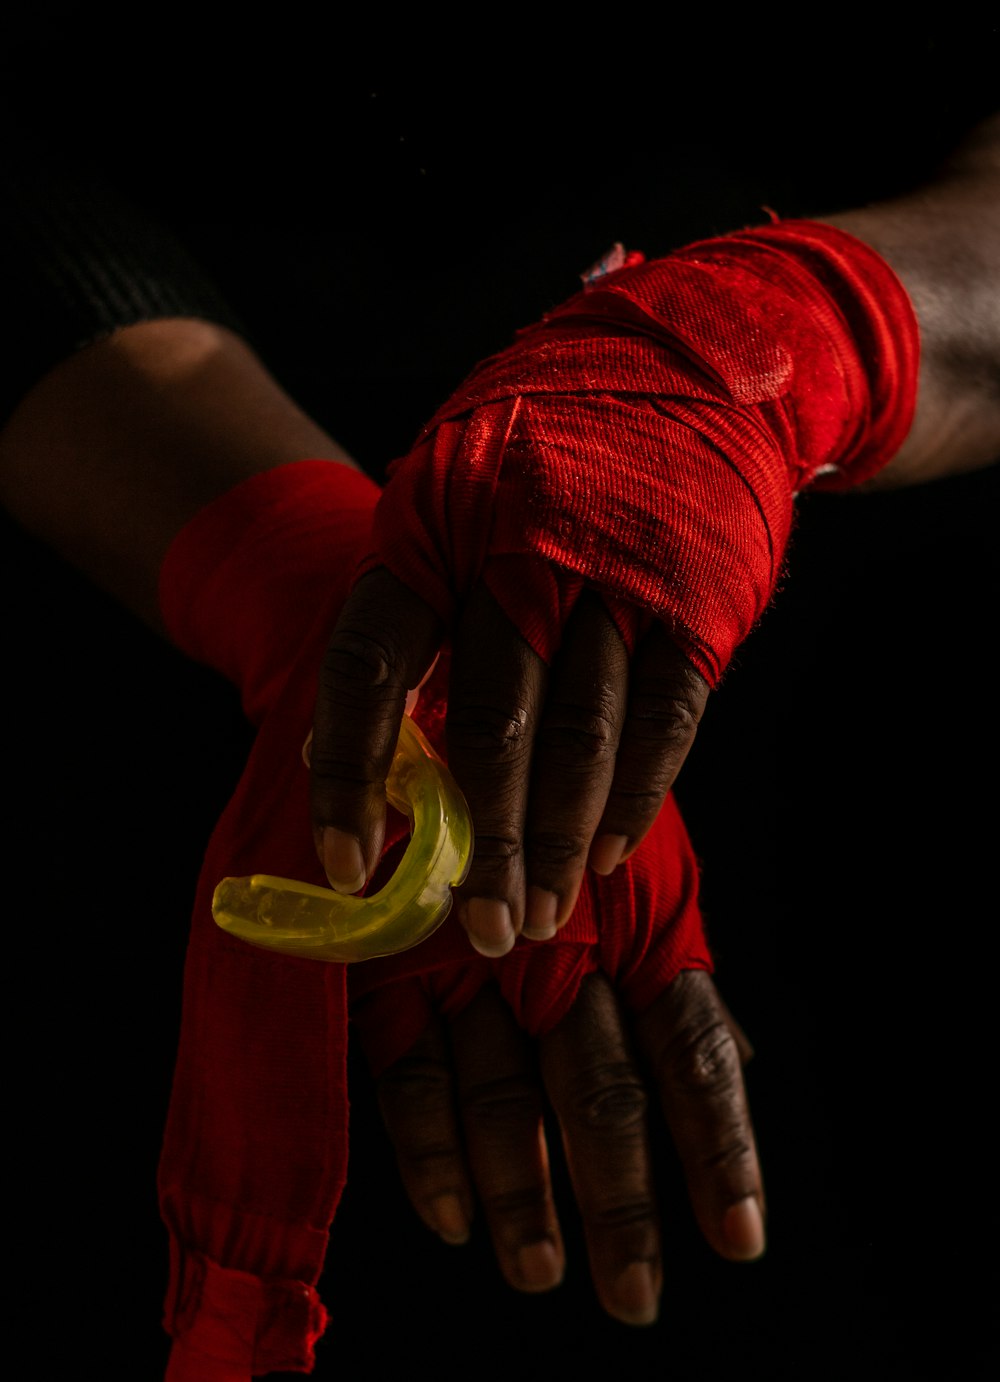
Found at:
<point>488,924</point>
<point>535,933</point>
<point>607,852</point>
<point>635,1296</point>
<point>540,913</point>
<point>342,859</point>
<point>743,1230</point>
<point>540,1266</point>
<point>448,1217</point>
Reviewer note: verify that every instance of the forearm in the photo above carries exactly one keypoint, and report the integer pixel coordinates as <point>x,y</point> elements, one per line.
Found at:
<point>135,395</point>
<point>117,447</point>
<point>943,241</point>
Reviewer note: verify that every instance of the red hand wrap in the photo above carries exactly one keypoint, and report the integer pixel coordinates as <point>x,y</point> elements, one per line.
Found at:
<point>244,581</point>
<point>255,1149</point>
<point>648,437</point>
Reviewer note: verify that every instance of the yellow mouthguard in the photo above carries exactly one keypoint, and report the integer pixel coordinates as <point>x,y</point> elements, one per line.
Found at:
<point>320,924</point>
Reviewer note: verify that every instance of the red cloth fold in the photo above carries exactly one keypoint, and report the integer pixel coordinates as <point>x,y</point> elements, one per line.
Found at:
<point>254,1154</point>
<point>233,1324</point>
<point>244,581</point>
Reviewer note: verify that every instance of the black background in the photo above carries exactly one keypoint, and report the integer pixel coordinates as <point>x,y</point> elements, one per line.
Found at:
<point>384,201</point>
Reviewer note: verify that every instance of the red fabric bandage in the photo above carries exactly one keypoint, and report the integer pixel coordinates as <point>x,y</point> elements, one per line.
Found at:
<point>254,1153</point>
<point>245,580</point>
<point>649,435</point>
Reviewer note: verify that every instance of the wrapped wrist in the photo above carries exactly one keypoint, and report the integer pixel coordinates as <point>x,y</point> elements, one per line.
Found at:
<point>648,437</point>
<point>244,580</point>
<point>797,316</point>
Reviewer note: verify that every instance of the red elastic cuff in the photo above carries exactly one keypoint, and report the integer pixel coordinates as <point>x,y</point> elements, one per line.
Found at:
<point>230,1326</point>
<point>244,580</point>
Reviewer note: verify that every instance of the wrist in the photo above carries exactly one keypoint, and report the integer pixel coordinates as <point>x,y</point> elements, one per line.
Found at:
<point>808,329</point>
<point>245,580</point>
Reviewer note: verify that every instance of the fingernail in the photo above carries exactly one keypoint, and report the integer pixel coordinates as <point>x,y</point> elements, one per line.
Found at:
<point>489,926</point>
<point>343,861</point>
<point>635,1296</point>
<point>449,1219</point>
<point>606,852</point>
<point>541,908</point>
<point>743,1229</point>
<point>307,750</point>
<point>540,1266</point>
<point>538,933</point>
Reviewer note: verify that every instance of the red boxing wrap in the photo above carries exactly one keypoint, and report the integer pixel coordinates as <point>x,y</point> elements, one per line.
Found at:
<point>245,580</point>
<point>254,1155</point>
<point>255,1148</point>
<point>648,437</point>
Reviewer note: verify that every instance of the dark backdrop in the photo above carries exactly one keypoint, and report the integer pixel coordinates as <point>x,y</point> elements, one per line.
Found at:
<point>384,201</point>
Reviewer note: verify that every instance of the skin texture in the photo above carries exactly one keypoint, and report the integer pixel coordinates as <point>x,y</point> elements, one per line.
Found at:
<point>468,1129</point>
<point>120,445</point>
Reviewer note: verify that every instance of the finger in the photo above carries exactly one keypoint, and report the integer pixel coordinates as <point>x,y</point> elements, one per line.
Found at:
<point>502,1117</point>
<point>697,1067</point>
<point>495,694</point>
<point>666,700</point>
<point>573,762</point>
<point>383,642</point>
<point>418,1103</point>
<point>744,1047</point>
<point>599,1096</point>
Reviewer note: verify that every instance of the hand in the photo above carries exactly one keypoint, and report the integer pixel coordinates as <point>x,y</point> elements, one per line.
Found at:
<point>562,766</point>
<point>614,1022</point>
<point>595,521</point>
<point>464,1109</point>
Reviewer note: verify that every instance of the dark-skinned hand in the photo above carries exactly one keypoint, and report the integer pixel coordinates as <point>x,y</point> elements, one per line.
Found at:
<point>464,1109</point>
<point>562,766</point>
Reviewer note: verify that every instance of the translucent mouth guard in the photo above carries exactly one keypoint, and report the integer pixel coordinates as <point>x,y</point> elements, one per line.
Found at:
<point>320,924</point>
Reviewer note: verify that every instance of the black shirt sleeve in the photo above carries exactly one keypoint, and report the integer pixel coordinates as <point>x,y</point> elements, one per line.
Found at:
<point>79,260</point>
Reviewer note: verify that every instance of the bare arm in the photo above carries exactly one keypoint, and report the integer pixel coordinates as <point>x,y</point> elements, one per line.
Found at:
<point>116,448</point>
<point>943,240</point>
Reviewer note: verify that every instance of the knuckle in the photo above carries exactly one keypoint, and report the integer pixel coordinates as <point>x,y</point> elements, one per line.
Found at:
<point>552,851</point>
<point>416,1085</point>
<point>505,1102</point>
<point>734,1152</point>
<point>514,1205</point>
<point>328,768</point>
<point>658,715</point>
<point>578,737</point>
<point>668,696</point>
<point>625,1215</point>
<point>337,775</point>
<point>704,1059</point>
<point>488,732</point>
<point>495,850</point>
<point>611,1102</point>
<point>356,665</point>
<point>638,803</point>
